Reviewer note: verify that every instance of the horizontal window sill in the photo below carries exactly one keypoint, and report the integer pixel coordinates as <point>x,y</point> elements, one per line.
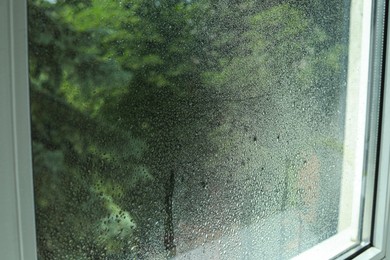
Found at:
<point>330,247</point>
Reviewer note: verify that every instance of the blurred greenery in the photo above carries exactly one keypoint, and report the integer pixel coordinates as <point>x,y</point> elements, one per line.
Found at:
<point>118,89</point>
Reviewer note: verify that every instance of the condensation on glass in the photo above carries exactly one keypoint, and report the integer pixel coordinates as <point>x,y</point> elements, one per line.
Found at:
<point>187,129</point>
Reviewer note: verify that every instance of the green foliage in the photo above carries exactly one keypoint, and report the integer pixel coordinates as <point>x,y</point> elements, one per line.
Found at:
<point>118,89</point>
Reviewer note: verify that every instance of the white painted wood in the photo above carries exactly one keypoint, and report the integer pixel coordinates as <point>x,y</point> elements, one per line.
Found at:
<point>17,228</point>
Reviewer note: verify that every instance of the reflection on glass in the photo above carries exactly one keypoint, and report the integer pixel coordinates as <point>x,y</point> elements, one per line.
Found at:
<point>193,129</point>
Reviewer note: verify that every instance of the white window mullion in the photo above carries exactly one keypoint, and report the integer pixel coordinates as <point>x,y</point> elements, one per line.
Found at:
<point>17,227</point>
<point>380,240</point>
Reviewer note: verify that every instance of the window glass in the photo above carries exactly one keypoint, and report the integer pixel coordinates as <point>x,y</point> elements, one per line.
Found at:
<point>191,129</point>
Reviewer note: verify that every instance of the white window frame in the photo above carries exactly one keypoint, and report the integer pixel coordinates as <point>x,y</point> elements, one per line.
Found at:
<point>17,219</point>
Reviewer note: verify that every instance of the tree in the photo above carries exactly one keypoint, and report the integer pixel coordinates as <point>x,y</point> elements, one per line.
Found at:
<point>143,111</point>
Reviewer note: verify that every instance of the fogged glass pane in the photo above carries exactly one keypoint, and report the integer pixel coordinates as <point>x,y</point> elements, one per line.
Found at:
<point>188,129</point>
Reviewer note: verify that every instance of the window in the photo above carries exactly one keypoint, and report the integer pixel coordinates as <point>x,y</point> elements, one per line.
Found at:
<point>194,129</point>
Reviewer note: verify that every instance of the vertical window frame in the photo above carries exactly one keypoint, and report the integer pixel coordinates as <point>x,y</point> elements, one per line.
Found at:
<point>17,218</point>
<point>380,246</point>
